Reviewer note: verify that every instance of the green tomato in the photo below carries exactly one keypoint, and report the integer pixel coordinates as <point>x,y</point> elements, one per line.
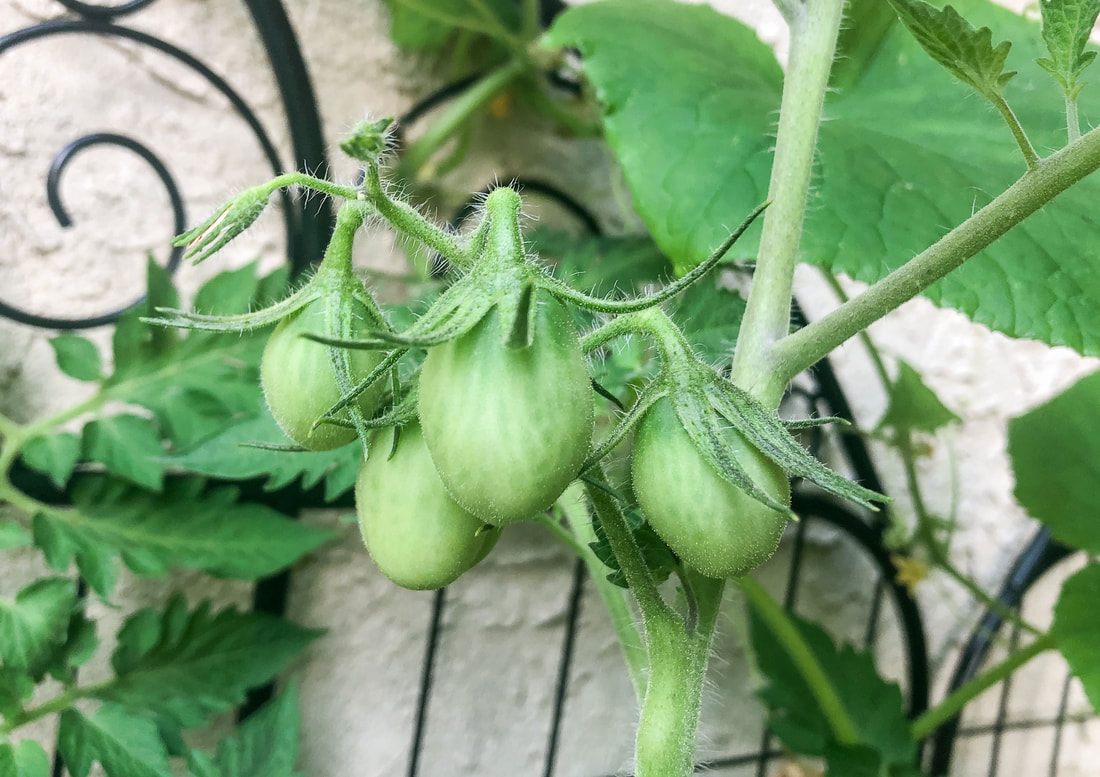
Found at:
<point>417,535</point>
<point>508,428</point>
<point>708,522</point>
<point>299,382</point>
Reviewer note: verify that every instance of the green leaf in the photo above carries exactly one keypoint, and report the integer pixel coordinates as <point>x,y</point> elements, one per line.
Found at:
<point>710,318</point>
<point>226,456</point>
<point>912,406</point>
<point>1067,25</point>
<point>1055,456</point>
<point>13,535</point>
<point>78,647</point>
<point>187,666</point>
<point>186,526</point>
<point>891,176</point>
<point>128,446</point>
<point>54,455</point>
<point>32,622</point>
<point>123,742</point>
<point>25,759</point>
<point>264,745</point>
<point>874,705</point>
<point>16,687</point>
<point>966,52</point>
<point>866,27</point>
<point>426,25</point>
<point>658,558</point>
<point>1076,629</point>
<point>77,357</point>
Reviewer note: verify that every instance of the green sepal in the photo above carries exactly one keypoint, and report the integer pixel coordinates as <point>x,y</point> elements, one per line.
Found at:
<point>243,322</point>
<point>230,220</point>
<point>653,391</point>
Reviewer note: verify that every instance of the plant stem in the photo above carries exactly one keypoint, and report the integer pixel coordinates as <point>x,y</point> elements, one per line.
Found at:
<point>953,704</point>
<point>1052,176</point>
<point>803,657</point>
<point>455,115</point>
<point>1002,106</point>
<point>814,29</point>
<point>59,703</point>
<point>8,427</point>
<point>1073,123</point>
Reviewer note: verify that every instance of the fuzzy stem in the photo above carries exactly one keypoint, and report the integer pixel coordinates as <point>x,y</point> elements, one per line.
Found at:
<point>1018,134</point>
<point>1033,190</point>
<point>953,704</point>
<point>1073,122</point>
<point>814,29</point>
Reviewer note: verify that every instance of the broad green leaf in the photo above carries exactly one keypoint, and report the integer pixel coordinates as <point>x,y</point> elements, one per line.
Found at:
<point>16,687</point>
<point>227,456</point>
<point>128,446</point>
<point>1067,25</point>
<point>13,535</point>
<point>912,406</point>
<point>78,647</point>
<point>25,759</point>
<point>187,666</point>
<point>426,25</point>
<point>77,357</point>
<point>264,745</point>
<point>966,52</point>
<point>867,24</point>
<point>34,621</point>
<point>874,705</point>
<point>891,175</point>
<point>710,318</point>
<point>123,742</point>
<point>186,526</point>
<point>54,455</point>
<point>1076,628</point>
<point>1056,460</point>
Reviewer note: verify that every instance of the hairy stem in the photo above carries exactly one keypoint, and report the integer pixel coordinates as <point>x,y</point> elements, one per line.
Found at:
<point>803,657</point>
<point>1018,134</point>
<point>1033,190</point>
<point>1073,123</point>
<point>953,704</point>
<point>814,29</point>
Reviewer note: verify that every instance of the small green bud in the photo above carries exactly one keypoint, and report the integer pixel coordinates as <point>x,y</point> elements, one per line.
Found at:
<point>368,140</point>
<point>228,221</point>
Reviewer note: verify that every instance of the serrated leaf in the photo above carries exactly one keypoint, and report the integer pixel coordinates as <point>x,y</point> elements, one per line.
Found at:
<point>226,456</point>
<point>54,455</point>
<point>13,535</point>
<point>187,666</point>
<point>186,526</point>
<point>1055,456</point>
<point>128,446</point>
<point>25,759</point>
<point>32,622</point>
<point>264,745</point>
<point>78,647</point>
<point>1076,629</point>
<point>874,705</point>
<point>77,357</point>
<point>1067,25</point>
<point>891,176</point>
<point>124,743</point>
<point>966,52</point>
<point>912,406</point>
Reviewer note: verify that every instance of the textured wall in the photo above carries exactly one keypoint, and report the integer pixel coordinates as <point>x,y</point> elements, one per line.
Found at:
<point>489,713</point>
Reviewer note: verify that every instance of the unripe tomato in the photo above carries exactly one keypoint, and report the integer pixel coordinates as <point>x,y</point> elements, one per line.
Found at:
<point>299,383</point>
<point>708,522</point>
<point>417,535</point>
<point>508,428</point>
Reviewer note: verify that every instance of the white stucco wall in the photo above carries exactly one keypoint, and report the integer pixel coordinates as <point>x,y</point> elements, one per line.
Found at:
<point>503,629</point>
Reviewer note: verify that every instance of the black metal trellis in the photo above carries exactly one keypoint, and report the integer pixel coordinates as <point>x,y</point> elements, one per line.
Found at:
<point>307,232</point>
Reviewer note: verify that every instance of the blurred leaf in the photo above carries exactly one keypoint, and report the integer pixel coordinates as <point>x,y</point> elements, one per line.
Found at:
<point>867,23</point>
<point>426,25</point>
<point>1076,629</point>
<point>912,406</point>
<point>16,687</point>
<point>710,318</point>
<point>34,621</point>
<point>23,759</point>
<point>54,455</point>
<point>264,745</point>
<point>189,666</point>
<point>658,558</point>
<point>1055,456</point>
<point>78,647</point>
<point>123,742</point>
<point>13,535</point>
<point>128,446</point>
<point>1067,25</point>
<point>77,357</point>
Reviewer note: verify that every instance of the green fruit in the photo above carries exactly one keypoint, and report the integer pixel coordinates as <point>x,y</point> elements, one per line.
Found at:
<point>508,428</point>
<point>417,535</point>
<point>300,385</point>
<point>708,522</point>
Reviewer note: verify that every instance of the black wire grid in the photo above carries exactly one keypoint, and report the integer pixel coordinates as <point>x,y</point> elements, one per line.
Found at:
<point>307,231</point>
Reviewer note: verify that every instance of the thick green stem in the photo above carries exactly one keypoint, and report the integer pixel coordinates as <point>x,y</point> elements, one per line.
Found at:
<point>953,704</point>
<point>803,657</point>
<point>814,29</point>
<point>1033,190</point>
<point>59,703</point>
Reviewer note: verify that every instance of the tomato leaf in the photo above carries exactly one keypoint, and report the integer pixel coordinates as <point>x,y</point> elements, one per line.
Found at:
<point>77,357</point>
<point>912,406</point>
<point>16,687</point>
<point>693,129</point>
<point>1056,460</point>
<point>123,742</point>
<point>24,759</point>
<point>55,455</point>
<point>128,446</point>
<point>1067,25</point>
<point>658,558</point>
<point>13,535</point>
<point>1076,628</point>
<point>264,745</point>
<point>873,704</point>
<point>427,26</point>
<point>186,526</point>
<point>34,621</point>
<point>188,666</point>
